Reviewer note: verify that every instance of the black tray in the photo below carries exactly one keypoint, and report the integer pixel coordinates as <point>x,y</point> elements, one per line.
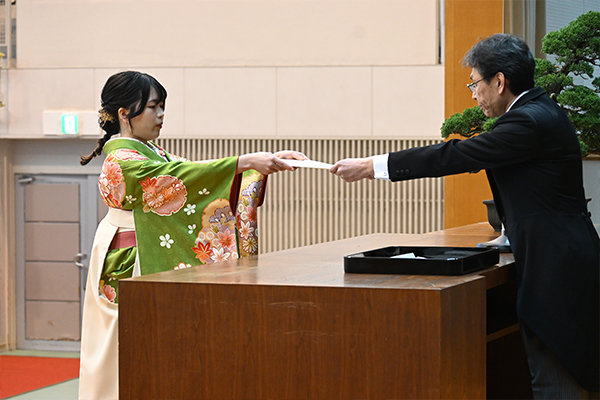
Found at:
<point>435,261</point>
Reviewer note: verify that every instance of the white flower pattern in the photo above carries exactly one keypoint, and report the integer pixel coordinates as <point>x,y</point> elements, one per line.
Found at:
<point>203,192</point>
<point>182,266</point>
<point>245,229</point>
<point>191,228</point>
<point>166,241</point>
<point>190,209</point>
<point>130,199</point>
<point>220,254</point>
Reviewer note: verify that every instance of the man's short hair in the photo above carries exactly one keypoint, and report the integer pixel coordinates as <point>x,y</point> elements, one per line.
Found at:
<point>503,53</point>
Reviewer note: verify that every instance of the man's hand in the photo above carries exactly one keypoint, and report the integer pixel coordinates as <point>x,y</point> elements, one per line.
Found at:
<point>354,169</point>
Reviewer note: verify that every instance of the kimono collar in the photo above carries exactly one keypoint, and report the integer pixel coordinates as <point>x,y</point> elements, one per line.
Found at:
<point>126,143</point>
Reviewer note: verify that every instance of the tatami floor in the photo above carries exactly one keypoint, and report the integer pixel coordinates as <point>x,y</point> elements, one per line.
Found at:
<point>62,391</point>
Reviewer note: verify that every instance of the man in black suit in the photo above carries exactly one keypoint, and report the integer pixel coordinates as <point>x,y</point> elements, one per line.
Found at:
<point>533,162</point>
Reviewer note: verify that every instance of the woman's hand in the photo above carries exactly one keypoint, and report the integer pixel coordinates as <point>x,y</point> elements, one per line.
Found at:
<point>268,163</point>
<point>291,155</point>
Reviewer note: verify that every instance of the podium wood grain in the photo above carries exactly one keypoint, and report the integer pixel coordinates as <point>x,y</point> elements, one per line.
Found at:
<point>293,325</point>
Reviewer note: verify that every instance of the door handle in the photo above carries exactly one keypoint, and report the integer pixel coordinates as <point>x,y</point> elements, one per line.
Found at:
<point>25,179</point>
<point>78,258</point>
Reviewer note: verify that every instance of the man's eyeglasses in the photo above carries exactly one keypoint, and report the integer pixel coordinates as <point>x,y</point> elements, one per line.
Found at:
<point>472,86</point>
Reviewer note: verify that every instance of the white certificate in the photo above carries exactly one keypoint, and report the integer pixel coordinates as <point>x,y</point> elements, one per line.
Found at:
<point>307,164</point>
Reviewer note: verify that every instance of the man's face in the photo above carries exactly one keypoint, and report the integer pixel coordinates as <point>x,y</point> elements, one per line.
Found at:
<point>487,95</point>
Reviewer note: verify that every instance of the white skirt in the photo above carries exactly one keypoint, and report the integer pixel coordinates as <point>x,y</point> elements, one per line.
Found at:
<point>99,365</point>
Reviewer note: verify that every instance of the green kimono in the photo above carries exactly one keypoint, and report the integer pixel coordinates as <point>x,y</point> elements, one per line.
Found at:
<point>186,213</point>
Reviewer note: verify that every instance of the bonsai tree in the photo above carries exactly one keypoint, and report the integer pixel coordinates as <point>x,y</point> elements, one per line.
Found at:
<point>574,51</point>
<point>471,122</point>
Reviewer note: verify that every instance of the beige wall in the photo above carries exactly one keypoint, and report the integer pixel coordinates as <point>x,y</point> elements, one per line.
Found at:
<point>188,33</point>
<point>316,102</point>
<point>246,68</point>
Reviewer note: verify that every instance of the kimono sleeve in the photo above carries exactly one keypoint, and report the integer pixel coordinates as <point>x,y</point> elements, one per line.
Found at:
<point>173,203</point>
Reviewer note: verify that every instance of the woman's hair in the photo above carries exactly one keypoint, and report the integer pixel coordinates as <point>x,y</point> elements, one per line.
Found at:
<point>129,90</point>
<point>503,53</point>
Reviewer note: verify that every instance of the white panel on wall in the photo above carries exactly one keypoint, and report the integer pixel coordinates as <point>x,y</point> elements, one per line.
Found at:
<point>324,102</point>
<point>184,33</point>
<point>408,101</point>
<point>400,101</point>
<point>224,102</point>
<point>31,92</point>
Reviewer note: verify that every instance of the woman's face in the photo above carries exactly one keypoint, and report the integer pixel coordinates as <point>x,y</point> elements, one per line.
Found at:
<point>147,125</point>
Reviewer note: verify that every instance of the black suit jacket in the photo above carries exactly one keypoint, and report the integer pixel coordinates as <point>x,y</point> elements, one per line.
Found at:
<point>533,162</point>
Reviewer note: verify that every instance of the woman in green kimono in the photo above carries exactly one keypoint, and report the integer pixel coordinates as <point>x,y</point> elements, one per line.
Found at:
<point>165,213</point>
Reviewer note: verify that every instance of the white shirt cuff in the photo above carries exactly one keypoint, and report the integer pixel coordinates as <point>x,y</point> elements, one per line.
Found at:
<point>380,166</point>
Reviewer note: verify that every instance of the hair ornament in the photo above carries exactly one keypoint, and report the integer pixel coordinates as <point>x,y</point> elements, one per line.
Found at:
<point>105,116</point>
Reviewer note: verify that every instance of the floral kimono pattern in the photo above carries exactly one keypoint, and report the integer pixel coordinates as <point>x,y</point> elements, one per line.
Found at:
<point>185,213</point>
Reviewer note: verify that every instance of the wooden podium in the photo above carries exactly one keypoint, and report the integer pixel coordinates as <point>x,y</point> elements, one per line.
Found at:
<point>293,325</point>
